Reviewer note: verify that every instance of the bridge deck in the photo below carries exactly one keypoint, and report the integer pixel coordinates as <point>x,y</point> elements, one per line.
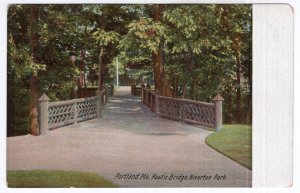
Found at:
<point>129,139</point>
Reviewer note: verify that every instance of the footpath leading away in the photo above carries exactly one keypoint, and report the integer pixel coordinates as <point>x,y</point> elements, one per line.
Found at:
<point>129,142</point>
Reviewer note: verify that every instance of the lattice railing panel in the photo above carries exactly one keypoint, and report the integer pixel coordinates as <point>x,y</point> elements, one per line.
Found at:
<point>87,109</point>
<point>66,112</point>
<point>195,112</point>
<point>199,113</point>
<point>169,108</point>
<point>60,115</point>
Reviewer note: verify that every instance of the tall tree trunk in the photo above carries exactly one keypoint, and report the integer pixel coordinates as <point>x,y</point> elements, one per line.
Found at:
<point>190,67</point>
<point>236,46</point>
<point>82,53</point>
<point>193,88</point>
<point>161,84</point>
<point>227,32</point>
<point>173,82</point>
<point>33,105</point>
<point>33,87</point>
<point>102,25</point>
<point>229,105</point>
<point>177,86</point>
<point>83,59</point>
<point>101,69</point>
<point>249,111</point>
<point>184,88</point>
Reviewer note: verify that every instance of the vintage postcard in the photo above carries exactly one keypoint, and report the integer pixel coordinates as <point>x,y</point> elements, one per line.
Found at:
<point>148,95</point>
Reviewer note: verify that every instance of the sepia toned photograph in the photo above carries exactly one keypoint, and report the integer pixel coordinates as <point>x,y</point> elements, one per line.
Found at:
<point>129,95</point>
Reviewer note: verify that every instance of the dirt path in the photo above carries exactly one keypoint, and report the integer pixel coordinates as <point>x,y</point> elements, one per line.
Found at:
<point>130,140</point>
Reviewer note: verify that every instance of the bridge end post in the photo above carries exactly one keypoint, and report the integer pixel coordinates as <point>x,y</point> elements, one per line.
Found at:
<point>43,114</point>
<point>99,104</point>
<point>218,100</point>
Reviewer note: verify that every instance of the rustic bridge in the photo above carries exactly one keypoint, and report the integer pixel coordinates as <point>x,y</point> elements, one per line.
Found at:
<point>57,114</point>
<point>129,138</point>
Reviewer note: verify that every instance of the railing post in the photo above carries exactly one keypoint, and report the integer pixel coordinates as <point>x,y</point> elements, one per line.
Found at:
<point>43,114</point>
<point>75,112</point>
<point>146,93</point>
<point>111,90</point>
<point>98,105</point>
<point>156,105</point>
<point>142,94</point>
<point>218,112</point>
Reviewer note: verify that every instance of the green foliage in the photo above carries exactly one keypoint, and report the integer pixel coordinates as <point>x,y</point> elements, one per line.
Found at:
<point>144,34</point>
<point>21,62</point>
<point>58,31</point>
<point>20,68</point>
<point>55,179</point>
<point>234,141</point>
<point>104,38</point>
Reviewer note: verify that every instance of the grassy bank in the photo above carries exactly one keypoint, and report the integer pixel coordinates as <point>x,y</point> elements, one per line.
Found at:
<point>235,142</point>
<point>55,179</point>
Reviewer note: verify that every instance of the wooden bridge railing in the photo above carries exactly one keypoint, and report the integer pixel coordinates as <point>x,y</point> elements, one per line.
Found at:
<point>194,112</point>
<point>136,90</point>
<point>149,98</point>
<point>91,91</point>
<point>57,114</point>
